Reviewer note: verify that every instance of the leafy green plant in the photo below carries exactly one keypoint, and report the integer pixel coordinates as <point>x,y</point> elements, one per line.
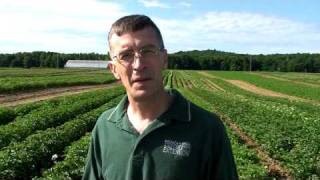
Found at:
<point>6,115</point>
<point>72,167</point>
<point>15,84</point>
<point>47,117</point>
<point>248,164</point>
<point>27,158</point>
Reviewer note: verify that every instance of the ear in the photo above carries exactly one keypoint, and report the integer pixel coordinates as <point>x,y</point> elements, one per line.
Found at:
<point>113,68</point>
<point>165,59</point>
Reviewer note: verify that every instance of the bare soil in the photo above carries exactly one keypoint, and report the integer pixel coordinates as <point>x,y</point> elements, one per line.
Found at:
<point>252,88</point>
<point>265,92</point>
<point>257,90</point>
<point>208,75</point>
<point>261,91</point>
<point>188,83</point>
<point>288,80</point>
<point>39,95</point>
<point>213,86</point>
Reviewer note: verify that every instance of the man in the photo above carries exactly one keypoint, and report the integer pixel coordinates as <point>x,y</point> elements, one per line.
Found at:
<point>153,133</point>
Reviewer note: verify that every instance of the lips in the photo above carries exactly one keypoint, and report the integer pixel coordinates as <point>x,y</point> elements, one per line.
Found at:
<point>141,80</point>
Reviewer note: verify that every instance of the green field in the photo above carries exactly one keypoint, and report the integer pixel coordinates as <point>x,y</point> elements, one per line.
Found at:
<point>17,80</point>
<point>286,87</point>
<point>312,78</point>
<point>287,130</point>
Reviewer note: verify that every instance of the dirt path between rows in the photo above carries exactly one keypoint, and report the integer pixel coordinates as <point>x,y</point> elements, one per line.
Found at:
<point>211,85</point>
<point>209,75</point>
<point>257,90</point>
<point>39,95</point>
<point>274,167</point>
<point>261,91</point>
<point>265,92</point>
<point>283,79</point>
<point>252,88</point>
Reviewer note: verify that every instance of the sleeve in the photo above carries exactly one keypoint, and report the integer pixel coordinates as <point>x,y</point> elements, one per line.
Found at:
<point>92,169</point>
<point>224,166</point>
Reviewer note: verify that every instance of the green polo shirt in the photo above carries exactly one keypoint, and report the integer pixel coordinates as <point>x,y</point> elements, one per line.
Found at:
<point>186,142</point>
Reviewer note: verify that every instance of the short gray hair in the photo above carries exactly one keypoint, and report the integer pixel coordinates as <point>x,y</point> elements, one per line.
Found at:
<point>133,23</point>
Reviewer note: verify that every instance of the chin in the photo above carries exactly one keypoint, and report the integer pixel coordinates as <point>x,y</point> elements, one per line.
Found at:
<point>141,94</point>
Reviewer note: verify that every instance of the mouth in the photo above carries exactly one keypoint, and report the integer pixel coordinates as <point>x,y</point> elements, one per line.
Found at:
<point>141,80</point>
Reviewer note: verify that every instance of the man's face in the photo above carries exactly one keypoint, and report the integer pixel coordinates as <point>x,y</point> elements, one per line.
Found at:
<point>142,77</point>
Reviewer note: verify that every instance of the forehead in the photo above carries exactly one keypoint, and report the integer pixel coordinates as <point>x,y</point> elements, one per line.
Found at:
<point>137,39</point>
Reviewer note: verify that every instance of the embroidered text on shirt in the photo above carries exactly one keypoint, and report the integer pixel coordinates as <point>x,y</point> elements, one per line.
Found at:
<point>177,148</point>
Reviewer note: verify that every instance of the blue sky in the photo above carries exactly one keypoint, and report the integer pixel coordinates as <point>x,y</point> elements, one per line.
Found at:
<point>241,26</point>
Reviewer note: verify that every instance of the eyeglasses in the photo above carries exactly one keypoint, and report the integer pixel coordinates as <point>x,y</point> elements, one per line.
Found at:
<point>127,57</point>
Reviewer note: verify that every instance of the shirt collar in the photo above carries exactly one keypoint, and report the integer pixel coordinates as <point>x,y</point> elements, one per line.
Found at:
<point>178,110</point>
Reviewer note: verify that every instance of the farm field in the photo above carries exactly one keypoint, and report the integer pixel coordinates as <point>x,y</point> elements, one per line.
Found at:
<point>18,80</point>
<point>273,124</point>
<point>311,78</point>
<point>286,87</point>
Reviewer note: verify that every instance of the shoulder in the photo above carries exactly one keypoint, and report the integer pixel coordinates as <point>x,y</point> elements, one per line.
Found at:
<point>206,119</point>
<point>103,119</point>
<point>105,116</point>
<point>210,128</point>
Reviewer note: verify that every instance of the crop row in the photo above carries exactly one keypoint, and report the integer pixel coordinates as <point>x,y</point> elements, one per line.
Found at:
<point>27,158</point>
<point>235,90</point>
<point>248,164</point>
<point>6,115</point>
<point>313,78</point>
<point>287,130</point>
<point>15,84</point>
<point>31,72</point>
<point>299,90</point>
<point>72,167</point>
<point>230,88</point>
<point>168,79</point>
<point>165,77</point>
<point>178,79</point>
<point>46,117</point>
<point>190,79</point>
<point>288,133</point>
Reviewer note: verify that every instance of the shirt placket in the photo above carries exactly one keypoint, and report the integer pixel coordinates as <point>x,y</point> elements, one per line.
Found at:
<point>136,160</point>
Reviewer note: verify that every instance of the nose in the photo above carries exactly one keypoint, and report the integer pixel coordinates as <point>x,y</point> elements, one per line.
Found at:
<point>137,62</point>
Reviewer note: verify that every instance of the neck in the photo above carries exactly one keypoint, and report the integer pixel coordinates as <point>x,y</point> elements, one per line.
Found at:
<point>149,108</point>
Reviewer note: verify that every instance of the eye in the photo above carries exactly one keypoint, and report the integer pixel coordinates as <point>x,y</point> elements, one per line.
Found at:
<point>126,56</point>
<point>148,51</point>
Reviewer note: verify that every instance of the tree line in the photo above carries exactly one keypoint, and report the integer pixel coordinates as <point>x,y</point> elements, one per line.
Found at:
<point>45,59</point>
<point>197,60</point>
<point>218,60</point>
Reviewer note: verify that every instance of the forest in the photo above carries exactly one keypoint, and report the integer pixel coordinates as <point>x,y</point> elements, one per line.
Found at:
<point>218,60</point>
<point>196,60</point>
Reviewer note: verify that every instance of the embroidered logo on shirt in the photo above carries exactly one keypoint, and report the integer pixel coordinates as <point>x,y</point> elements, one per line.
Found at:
<point>177,148</point>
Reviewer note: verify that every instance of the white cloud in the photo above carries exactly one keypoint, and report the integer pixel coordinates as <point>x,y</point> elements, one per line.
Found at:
<point>82,26</point>
<point>240,32</point>
<point>153,3</point>
<point>56,25</point>
<point>185,4</point>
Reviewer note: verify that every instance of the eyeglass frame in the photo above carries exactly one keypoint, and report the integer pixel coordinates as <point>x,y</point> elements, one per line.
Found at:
<point>134,52</point>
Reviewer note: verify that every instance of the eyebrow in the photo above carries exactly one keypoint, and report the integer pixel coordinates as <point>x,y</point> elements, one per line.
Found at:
<point>145,46</point>
<point>126,50</point>
<point>148,46</point>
